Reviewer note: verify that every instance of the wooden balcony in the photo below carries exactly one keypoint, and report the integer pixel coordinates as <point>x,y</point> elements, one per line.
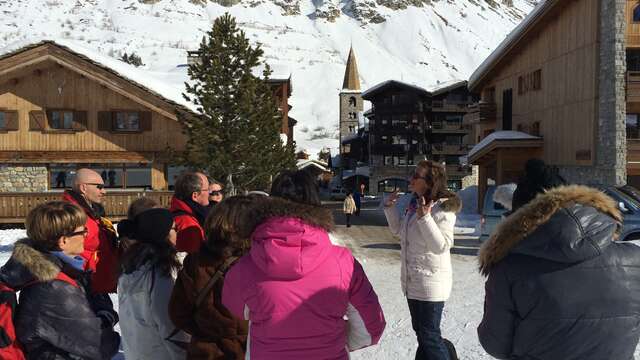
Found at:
<point>445,128</point>
<point>448,149</point>
<point>633,86</point>
<point>480,112</point>
<point>447,106</point>
<point>14,207</point>
<point>458,171</point>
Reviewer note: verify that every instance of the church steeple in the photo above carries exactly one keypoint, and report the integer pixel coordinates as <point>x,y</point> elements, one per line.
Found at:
<point>351,76</point>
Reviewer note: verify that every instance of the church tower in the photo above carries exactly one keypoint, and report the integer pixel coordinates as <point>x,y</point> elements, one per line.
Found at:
<point>350,99</point>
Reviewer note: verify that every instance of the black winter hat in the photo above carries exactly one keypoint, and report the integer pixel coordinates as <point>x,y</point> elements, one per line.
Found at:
<point>149,226</point>
<point>538,178</point>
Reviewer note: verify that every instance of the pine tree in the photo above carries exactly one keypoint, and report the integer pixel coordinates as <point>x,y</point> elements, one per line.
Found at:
<point>237,137</point>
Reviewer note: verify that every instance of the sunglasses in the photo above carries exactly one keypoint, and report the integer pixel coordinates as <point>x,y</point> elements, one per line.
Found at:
<point>76,233</point>
<point>98,186</point>
<point>215,192</point>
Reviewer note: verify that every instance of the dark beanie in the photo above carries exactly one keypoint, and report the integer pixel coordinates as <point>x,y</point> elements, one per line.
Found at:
<point>149,226</point>
<point>537,179</point>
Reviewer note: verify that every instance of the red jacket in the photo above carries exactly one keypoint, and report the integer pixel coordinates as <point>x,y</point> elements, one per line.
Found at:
<point>100,250</point>
<point>190,232</point>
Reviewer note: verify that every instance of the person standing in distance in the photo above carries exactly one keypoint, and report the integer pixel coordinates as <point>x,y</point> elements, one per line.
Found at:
<point>425,228</point>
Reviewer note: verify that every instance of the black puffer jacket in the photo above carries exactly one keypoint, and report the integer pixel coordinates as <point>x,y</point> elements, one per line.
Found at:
<point>559,287</point>
<point>56,317</point>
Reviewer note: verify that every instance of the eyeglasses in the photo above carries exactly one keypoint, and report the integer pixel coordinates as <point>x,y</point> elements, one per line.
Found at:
<point>215,192</point>
<point>98,186</point>
<point>76,233</point>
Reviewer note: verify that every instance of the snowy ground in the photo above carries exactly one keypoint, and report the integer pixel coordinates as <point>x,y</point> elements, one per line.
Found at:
<point>461,317</point>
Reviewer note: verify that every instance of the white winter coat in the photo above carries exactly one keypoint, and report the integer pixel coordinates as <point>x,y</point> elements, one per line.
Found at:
<point>143,300</point>
<point>426,272</point>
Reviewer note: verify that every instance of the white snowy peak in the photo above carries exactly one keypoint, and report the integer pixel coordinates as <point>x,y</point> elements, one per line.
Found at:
<point>422,42</point>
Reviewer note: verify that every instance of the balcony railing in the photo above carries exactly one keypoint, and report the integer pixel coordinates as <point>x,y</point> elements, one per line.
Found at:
<point>458,171</point>
<point>633,86</point>
<point>449,149</point>
<point>452,106</point>
<point>480,112</point>
<point>445,127</point>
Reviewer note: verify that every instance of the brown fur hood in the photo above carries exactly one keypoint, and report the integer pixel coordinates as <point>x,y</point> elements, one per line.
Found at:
<point>271,207</point>
<point>451,204</point>
<point>28,264</point>
<point>521,224</point>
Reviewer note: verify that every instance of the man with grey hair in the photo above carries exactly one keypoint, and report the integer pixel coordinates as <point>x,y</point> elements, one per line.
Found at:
<point>190,206</point>
<point>100,248</point>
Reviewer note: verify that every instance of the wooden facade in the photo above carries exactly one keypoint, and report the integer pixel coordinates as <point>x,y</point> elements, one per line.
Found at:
<point>67,109</point>
<point>561,102</point>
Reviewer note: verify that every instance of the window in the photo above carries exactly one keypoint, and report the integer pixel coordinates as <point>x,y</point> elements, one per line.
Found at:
<point>636,13</point>
<point>398,120</point>
<point>632,126</point>
<point>391,185</point>
<point>454,120</point>
<point>3,120</point>
<point>535,128</point>
<point>388,160</point>
<point>453,140</point>
<point>399,140</point>
<point>633,59</point>
<point>414,118</point>
<point>352,129</point>
<point>352,101</point>
<point>138,176</point>
<point>127,121</point>
<point>530,82</point>
<point>385,121</point>
<point>61,119</point>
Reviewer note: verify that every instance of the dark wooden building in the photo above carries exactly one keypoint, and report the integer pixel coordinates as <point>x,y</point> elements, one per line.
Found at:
<point>407,124</point>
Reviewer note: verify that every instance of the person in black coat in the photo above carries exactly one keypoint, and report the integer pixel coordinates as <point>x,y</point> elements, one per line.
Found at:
<point>559,286</point>
<point>58,317</point>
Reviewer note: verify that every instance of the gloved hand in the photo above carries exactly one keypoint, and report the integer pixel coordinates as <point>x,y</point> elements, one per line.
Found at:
<point>109,318</point>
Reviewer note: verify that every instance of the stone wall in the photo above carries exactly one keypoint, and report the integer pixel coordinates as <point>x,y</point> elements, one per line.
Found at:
<point>471,180</point>
<point>23,178</point>
<point>611,151</point>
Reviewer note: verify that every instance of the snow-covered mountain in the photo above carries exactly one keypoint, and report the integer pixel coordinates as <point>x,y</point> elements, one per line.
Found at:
<point>424,42</point>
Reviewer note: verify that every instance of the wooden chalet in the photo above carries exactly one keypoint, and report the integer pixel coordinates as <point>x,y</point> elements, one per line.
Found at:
<point>555,89</point>
<point>62,109</point>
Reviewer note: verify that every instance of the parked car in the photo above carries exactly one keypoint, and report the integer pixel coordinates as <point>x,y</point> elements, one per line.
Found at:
<point>491,214</point>
<point>630,208</point>
<point>338,194</point>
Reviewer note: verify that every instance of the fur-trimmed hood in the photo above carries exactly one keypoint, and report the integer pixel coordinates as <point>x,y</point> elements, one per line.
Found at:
<point>451,204</point>
<point>291,239</point>
<point>567,224</point>
<point>272,207</point>
<point>28,264</point>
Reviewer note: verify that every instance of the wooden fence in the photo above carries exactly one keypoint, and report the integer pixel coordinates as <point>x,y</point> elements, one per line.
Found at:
<point>14,207</point>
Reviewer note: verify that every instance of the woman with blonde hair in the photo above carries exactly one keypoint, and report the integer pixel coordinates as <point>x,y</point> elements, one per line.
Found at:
<point>196,302</point>
<point>58,316</point>
<point>425,228</point>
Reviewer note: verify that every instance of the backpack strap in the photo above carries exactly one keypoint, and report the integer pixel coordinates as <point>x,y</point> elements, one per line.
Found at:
<point>202,294</point>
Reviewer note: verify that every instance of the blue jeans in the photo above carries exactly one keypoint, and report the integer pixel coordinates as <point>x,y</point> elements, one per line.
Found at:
<point>425,319</point>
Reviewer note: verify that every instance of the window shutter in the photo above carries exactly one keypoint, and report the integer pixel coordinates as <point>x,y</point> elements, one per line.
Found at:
<point>36,120</point>
<point>80,120</point>
<point>105,121</point>
<point>12,120</point>
<point>145,121</point>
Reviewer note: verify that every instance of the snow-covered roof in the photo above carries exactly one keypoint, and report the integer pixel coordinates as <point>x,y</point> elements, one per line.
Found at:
<point>500,135</point>
<point>139,77</point>
<point>447,86</point>
<point>375,89</point>
<point>349,137</point>
<point>302,164</point>
<point>510,41</point>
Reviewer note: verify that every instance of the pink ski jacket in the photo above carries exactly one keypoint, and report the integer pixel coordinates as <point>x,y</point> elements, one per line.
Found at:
<point>297,289</point>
